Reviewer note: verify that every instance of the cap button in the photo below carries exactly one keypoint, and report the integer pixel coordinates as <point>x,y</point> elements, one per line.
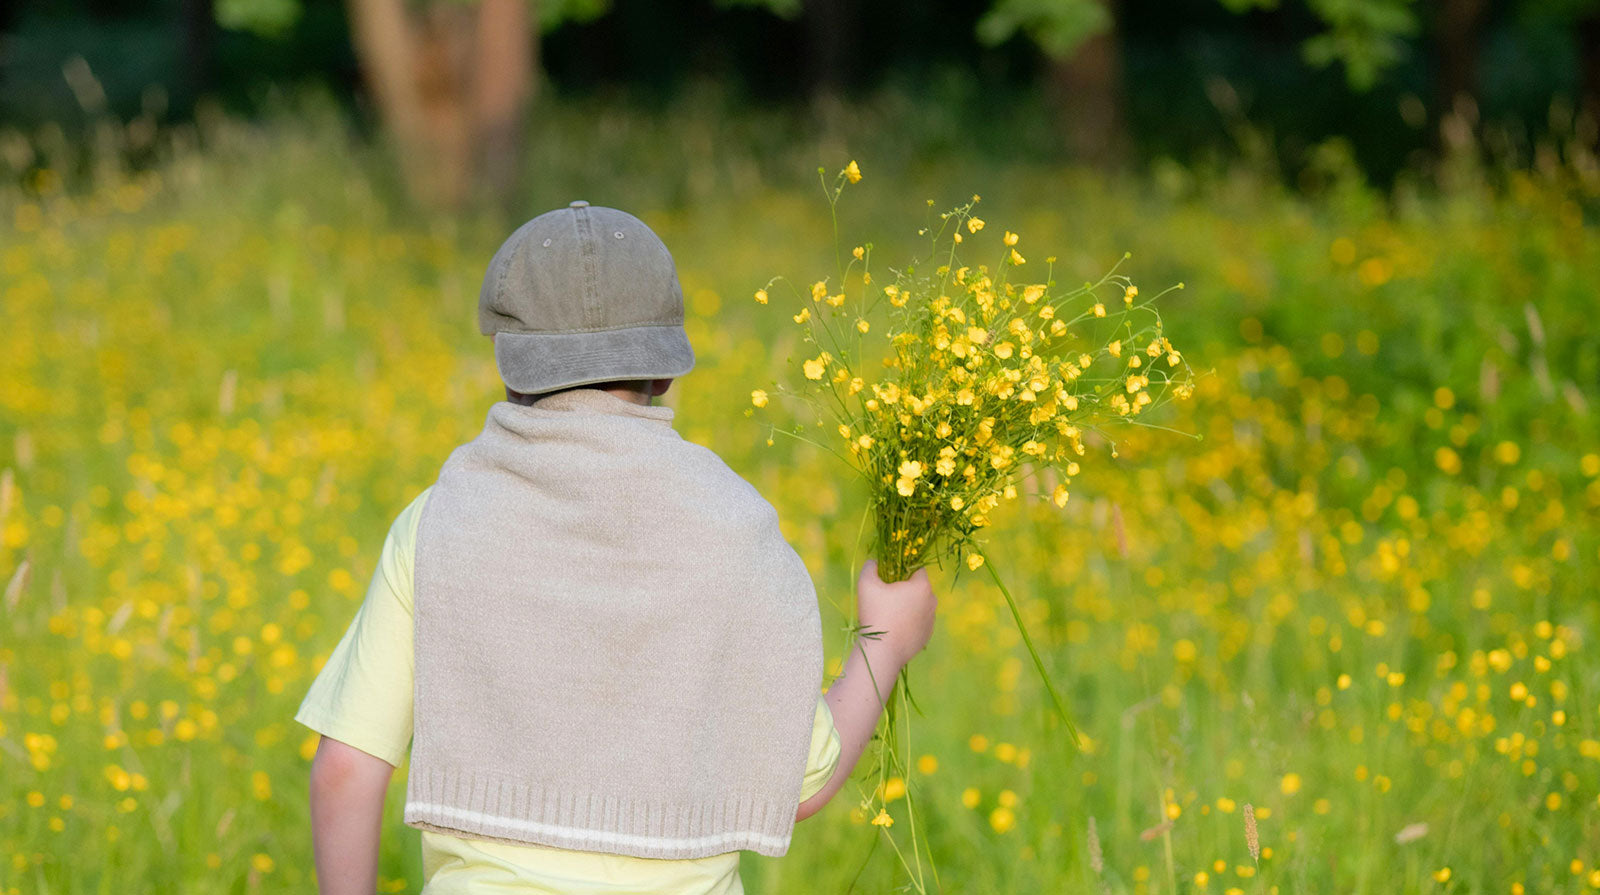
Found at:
<point>580,204</point>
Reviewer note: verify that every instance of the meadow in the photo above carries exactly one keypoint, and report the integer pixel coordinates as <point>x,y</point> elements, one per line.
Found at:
<point>1352,595</point>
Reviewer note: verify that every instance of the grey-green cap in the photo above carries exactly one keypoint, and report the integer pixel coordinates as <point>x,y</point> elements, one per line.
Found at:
<point>581,295</point>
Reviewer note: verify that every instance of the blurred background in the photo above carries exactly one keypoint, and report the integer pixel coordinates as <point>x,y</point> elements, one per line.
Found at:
<point>1106,83</point>
<point>1349,584</point>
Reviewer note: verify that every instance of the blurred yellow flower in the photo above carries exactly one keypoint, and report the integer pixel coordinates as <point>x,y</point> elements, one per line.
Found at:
<point>758,398</point>
<point>852,172</point>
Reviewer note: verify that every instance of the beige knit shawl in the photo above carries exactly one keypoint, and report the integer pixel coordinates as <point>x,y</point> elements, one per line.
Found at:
<point>616,650</point>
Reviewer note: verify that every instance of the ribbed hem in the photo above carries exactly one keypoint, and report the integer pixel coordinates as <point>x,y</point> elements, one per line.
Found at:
<point>459,802</point>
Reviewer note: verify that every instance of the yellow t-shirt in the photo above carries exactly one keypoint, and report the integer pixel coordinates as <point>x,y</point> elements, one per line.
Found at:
<point>362,697</point>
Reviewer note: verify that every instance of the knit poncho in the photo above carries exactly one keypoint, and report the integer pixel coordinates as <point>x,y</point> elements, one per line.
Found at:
<point>616,649</point>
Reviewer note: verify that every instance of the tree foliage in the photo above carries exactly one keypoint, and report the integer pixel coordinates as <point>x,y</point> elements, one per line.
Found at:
<point>272,18</point>
<point>1367,37</point>
<point>1059,27</point>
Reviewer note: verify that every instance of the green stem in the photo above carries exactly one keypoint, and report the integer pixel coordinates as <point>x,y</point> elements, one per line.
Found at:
<point>1061,708</point>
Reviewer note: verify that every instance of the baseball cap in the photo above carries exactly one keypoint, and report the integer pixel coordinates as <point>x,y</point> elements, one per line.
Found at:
<point>581,295</point>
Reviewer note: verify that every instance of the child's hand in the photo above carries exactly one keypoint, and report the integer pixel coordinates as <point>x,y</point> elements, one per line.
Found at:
<point>899,617</point>
<point>902,611</point>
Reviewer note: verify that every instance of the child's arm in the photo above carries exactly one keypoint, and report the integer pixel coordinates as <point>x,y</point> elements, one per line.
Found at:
<point>903,612</point>
<point>347,791</point>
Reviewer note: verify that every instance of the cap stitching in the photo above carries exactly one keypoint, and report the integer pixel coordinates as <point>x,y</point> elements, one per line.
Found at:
<point>586,251</point>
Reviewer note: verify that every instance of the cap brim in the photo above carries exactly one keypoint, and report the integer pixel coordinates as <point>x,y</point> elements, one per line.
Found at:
<point>534,363</point>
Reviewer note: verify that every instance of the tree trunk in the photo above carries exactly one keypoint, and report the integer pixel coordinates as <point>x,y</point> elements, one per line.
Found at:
<point>199,40</point>
<point>452,83</point>
<point>1087,94</point>
<point>1458,26</point>
<point>1589,54</point>
<point>830,34</point>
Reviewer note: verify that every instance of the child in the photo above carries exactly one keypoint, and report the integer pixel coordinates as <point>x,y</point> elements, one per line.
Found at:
<point>605,659</point>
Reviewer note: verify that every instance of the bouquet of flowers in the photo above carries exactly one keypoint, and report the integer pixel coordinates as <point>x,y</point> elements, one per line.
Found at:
<point>952,386</point>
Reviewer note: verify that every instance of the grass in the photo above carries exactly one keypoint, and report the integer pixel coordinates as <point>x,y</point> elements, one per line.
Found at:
<point>1362,601</point>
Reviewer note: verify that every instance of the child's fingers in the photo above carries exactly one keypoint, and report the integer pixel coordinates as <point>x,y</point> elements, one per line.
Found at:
<point>870,567</point>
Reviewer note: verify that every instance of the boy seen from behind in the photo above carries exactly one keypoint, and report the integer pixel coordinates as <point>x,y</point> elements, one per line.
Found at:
<point>602,656</point>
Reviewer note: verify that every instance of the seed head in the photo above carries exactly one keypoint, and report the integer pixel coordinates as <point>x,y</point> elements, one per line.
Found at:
<point>1251,839</point>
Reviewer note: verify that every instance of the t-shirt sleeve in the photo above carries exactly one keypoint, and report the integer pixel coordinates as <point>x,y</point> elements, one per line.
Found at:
<point>823,756</point>
<point>363,695</point>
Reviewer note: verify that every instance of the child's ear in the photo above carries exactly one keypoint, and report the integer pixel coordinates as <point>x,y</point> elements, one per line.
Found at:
<point>659,387</point>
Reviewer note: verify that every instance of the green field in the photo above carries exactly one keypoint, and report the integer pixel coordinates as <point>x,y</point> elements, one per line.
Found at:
<point>1361,602</point>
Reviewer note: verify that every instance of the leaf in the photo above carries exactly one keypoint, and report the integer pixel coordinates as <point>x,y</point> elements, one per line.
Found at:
<point>783,9</point>
<point>1059,27</point>
<point>266,18</point>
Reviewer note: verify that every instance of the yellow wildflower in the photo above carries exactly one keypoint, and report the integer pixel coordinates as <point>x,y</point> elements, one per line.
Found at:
<point>813,368</point>
<point>758,398</point>
<point>858,252</point>
<point>974,561</point>
<point>974,225</point>
<point>852,173</point>
<point>803,316</point>
<point>1011,238</point>
<point>761,296</point>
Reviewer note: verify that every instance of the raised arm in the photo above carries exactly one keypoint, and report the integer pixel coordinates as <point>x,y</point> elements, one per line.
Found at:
<point>903,612</point>
<point>347,792</point>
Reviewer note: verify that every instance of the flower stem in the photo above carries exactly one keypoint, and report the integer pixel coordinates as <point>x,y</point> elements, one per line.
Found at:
<point>1061,708</point>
